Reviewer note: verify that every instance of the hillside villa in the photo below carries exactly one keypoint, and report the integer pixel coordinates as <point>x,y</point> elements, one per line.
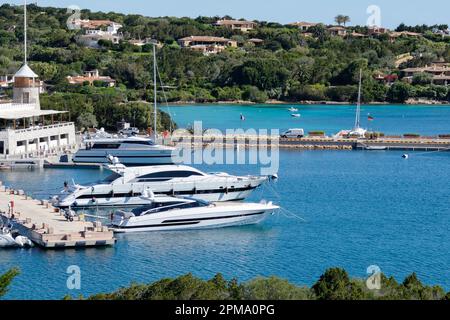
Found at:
<point>96,30</point>
<point>241,25</point>
<point>337,31</point>
<point>303,26</point>
<point>206,44</point>
<point>440,73</point>
<point>91,77</point>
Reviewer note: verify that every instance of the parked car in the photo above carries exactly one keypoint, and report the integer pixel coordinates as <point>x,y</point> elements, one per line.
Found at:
<point>293,133</point>
<point>132,131</point>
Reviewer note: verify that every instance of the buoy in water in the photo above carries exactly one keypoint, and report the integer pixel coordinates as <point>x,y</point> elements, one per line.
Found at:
<point>405,156</point>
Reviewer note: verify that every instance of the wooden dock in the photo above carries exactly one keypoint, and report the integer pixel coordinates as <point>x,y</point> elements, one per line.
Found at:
<point>46,226</point>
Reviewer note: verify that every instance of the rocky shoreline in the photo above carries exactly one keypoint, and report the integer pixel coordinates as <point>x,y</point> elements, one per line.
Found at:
<point>309,102</point>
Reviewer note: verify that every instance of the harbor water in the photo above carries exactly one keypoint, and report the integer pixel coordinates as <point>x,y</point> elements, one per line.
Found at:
<point>350,209</point>
<point>390,119</point>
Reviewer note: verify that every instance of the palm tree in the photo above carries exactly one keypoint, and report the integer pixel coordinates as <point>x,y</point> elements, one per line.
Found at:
<point>346,19</point>
<point>341,19</point>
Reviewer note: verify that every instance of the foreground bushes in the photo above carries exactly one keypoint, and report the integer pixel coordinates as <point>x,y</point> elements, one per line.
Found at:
<point>334,284</point>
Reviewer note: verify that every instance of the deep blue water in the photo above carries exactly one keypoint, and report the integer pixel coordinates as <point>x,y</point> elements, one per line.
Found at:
<point>341,208</point>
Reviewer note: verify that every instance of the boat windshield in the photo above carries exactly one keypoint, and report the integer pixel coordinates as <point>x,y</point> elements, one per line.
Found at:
<point>111,178</point>
<point>156,207</point>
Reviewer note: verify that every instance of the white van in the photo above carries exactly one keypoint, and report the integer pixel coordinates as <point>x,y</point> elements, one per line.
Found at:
<point>293,133</point>
<point>131,131</point>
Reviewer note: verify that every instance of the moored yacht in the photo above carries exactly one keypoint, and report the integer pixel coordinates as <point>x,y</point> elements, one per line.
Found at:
<point>132,151</point>
<point>128,186</point>
<point>167,213</point>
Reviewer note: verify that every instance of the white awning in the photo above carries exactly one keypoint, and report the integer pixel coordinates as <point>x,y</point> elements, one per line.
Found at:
<point>9,115</point>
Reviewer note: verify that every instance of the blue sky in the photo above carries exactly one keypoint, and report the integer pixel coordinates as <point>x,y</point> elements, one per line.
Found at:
<point>393,12</point>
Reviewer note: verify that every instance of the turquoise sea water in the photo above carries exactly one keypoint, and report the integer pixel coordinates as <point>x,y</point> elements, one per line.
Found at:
<point>390,119</point>
<point>341,208</point>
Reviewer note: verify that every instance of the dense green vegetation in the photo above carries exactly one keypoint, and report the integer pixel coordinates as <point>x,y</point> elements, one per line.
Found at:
<point>287,66</point>
<point>334,284</point>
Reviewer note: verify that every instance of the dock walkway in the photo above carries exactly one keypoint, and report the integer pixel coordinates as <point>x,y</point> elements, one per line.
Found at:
<point>46,226</point>
<point>317,142</point>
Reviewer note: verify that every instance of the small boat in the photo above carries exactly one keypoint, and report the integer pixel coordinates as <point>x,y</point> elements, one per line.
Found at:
<point>170,213</point>
<point>375,148</point>
<point>5,167</point>
<point>292,109</point>
<point>8,240</point>
<point>296,115</point>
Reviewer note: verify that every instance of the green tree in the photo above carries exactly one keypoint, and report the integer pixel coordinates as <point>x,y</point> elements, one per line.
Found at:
<point>87,120</point>
<point>274,289</point>
<point>422,78</point>
<point>6,279</point>
<point>253,94</point>
<point>335,284</point>
<point>400,92</point>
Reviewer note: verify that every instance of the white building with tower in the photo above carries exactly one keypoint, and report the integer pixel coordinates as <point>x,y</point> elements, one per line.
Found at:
<point>25,129</point>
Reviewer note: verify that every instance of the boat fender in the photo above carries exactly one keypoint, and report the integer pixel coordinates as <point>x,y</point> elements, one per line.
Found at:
<point>226,190</point>
<point>194,191</point>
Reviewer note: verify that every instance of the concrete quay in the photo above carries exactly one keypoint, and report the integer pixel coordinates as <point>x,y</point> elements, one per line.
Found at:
<point>46,226</point>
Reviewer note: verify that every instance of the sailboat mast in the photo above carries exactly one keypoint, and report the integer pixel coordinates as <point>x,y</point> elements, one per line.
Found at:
<point>358,106</point>
<point>154,88</point>
<point>25,31</point>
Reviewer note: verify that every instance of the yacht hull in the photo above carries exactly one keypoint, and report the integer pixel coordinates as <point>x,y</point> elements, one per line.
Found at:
<point>192,219</point>
<point>127,157</point>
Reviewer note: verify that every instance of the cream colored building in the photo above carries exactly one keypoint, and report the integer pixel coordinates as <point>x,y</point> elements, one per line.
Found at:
<point>241,25</point>
<point>25,129</point>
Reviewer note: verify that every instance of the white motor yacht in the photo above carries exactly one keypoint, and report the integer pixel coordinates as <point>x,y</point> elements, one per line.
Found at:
<point>128,186</point>
<point>167,213</point>
<point>132,151</point>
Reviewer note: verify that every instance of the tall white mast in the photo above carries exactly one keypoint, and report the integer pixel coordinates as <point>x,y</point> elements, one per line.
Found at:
<point>358,106</point>
<point>154,93</point>
<point>25,31</point>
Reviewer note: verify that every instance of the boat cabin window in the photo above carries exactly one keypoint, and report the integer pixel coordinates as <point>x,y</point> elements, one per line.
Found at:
<point>145,143</point>
<point>106,146</point>
<point>167,175</point>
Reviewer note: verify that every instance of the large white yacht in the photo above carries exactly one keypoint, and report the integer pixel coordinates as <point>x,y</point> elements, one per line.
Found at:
<point>132,151</point>
<point>168,213</point>
<point>129,186</point>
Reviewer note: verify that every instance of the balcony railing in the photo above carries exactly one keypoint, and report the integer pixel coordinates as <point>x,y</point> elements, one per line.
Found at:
<point>17,106</point>
<point>40,128</point>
